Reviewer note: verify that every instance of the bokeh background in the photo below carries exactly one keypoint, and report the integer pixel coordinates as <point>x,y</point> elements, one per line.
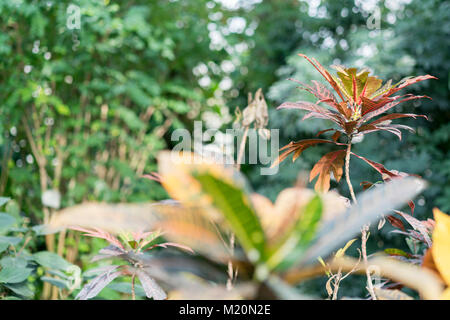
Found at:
<point>85,108</point>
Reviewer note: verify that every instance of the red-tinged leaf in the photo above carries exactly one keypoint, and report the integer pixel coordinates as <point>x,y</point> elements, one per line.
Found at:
<point>108,252</point>
<point>319,116</point>
<point>385,173</point>
<point>98,233</point>
<point>317,110</point>
<point>350,126</point>
<point>370,105</point>
<point>324,73</point>
<point>97,284</point>
<point>393,116</point>
<point>411,206</point>
<point>323,131</point>
<point>320,92</point>
<point>336,136</point>
<point>391,129</point>
<point>371,114</point>
<point>417,225</point>
<point>366,185</point>
<point>172,244</point>
<point>151,288</point>
<point>298,148</point>
<point>395,222</point>
<point>399,126</point>
<point>333,161</point>
<point>407,82</point>
<point>153,176</point>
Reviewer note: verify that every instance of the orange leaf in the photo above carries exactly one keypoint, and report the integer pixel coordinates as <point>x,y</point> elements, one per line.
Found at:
<point>333,161</point>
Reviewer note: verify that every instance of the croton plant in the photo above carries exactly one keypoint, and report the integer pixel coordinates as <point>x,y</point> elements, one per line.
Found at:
<point>356,99</point>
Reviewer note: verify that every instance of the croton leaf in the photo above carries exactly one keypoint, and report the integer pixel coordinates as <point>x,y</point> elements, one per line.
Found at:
<point>385,173</point>
<point>371,113</point>
<point>293,246</point>
<point>407,82</point>
<point>321,92</point>
<point>297,148</point>
<point>324,73</point>
<point>441,244</point>
<point>393,116</point>
<point>235,206</point>
<point>314,109</point>
<point>332,161</point>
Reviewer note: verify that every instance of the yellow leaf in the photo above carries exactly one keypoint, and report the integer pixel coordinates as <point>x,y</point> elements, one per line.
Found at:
<point>341,251</point>
<point>441,245</point>
<point>446,295</point>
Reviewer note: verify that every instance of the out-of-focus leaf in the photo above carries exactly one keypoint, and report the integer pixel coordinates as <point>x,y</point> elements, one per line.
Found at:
<point>192,227</point>
<point>235,206</point>
<point>417,225</point>
<point>441,244</point>
<point>384,294</point>
<point>114,218</point>
<point>293,246</point>
<point>5,242</point>
<point>371,204</point>
<point>6,221</point>
<point>4,200</point>
<point>341,251</point>
<point>284,291</point>
<point>397,252</point>
<point>108,252</point>
<point>151,288</point>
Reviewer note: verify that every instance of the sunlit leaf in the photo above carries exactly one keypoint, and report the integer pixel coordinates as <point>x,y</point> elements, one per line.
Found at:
<point>441,244</point>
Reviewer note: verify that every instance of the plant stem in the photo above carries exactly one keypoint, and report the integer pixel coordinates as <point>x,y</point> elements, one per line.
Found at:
<point>231,272</point>
<point>336,284</point>
<point>133,292</point>
<point>365,228</point>
<point>347,170</point>
<point>241,149</point>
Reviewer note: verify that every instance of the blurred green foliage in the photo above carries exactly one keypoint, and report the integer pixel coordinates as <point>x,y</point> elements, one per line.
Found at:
<point>84,111</point>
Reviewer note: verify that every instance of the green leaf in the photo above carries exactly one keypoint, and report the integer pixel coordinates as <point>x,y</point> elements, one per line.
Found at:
<point>20,289</point>
<point>14,275</point>
<point>397,252</point>
<point>5,242</point>
<point>60,283</point>
<point>51,260</point>
<point>14,262</point>
<point>4,200</point>
<point>6,221</point>
<point>125,287</point>
<point>235,207</point>
<point>291,249</point>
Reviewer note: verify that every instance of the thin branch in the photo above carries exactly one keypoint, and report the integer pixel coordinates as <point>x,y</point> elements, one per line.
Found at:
<point>347,170</point>
<point>242,149</point>
<point>133,292</point>
<point>364,235</point>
